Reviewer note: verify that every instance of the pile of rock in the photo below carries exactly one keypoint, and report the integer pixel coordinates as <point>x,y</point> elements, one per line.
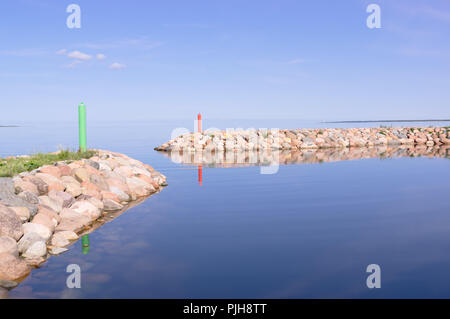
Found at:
<point>43,211</point>
<point>306,139</point>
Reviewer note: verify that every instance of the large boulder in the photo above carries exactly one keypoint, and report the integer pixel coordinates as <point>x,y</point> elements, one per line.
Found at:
<point>49,212</point>
<point>41,230</point>
<point>36,250</point>
<point>68,235</point>
<point>22,212</point>
<point>58,240</point>
<point>121,195</point>
<point>51,170</point>
<point>53,182</point>
<point>56,205</point>
<point>24,186</point>
<point>125,171</point>
<point>29,197</point>
<point>99,182</point>
<point>8,245</point>
<point>62,197</point>
<point>12,267</point>
<point>40,184</point>
<point>46,221</point>
<point>86,208</point>
<point>118,183</point>
<point>139,188</point>
<point>27,240</point>
<point>73,224</point>
<point>110,205</point>
<point>72,221</point>
<point>10,223</point>
<point>65,170</point>
<point>9,198</point>
<point>80,174</point>
<point>73,189</point>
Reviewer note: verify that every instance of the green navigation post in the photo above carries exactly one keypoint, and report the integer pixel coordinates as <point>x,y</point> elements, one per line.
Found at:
<point>85,244</point>
<point>82,127</point>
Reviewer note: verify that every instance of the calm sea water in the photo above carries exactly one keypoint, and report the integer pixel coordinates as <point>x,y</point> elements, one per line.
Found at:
<point>308,231</point>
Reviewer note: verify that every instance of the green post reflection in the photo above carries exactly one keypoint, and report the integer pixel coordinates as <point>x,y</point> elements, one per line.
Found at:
<point>85,244</point>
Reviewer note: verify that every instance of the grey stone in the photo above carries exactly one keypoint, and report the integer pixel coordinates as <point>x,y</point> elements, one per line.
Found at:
<point>8,284</point>
<point>58,251</point>
<point>38,249</point>
<point>41,185</point>
<point>9,198</point>
<point>41,230</point>
<point>29,197</point>
<point>27,240</point>
<point>99,182</point>
<point>109,205</point>
<point>93,164</point>
<point>10,223</point>
<point>123,197</point>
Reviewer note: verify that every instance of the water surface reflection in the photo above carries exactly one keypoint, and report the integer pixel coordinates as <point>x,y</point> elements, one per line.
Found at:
<point>305,156</point>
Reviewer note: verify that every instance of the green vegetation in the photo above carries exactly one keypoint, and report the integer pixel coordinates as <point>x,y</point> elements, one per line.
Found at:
<point>15,165</point>
<point>382,132</point>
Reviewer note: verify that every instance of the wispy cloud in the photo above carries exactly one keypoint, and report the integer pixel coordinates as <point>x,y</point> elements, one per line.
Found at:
<point>117,66</point>
<point>79,56</point>
<point>100,56</point>
<point>73,64</point>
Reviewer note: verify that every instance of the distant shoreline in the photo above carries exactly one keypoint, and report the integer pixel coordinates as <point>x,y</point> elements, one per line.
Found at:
<point>9,126</point>
<point>388,121</point>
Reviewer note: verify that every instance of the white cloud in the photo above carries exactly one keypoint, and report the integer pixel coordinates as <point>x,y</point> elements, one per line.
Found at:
<point>117,66</point>
<point>61,52</point>
<point>79,56</point>
<point>101,56</point>
<point>73,64</point>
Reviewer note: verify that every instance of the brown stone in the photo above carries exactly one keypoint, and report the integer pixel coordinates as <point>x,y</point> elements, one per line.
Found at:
<point>24,186</point>
<point>10,223</point>
<point>49,212</point>
<point>51,170</point>
<point>65,170</point>
<point>13,268</point>
<point>40,184</point>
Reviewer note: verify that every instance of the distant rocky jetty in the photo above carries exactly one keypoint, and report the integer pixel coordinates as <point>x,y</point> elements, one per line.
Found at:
<point>44,211</point>
<point>306,139</point>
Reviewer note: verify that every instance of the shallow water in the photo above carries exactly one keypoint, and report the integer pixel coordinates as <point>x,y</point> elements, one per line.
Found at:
<point>307,231</point>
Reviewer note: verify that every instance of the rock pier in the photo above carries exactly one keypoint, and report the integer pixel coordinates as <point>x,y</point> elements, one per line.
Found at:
<point>45,210</point>
<point>296,139</point>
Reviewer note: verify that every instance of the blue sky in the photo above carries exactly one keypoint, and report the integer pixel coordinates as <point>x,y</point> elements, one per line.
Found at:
<point>312,60</point>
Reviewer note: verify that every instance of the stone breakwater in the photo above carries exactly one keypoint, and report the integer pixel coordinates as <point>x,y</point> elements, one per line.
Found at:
<point>306,139</point>
<point>45,210</point>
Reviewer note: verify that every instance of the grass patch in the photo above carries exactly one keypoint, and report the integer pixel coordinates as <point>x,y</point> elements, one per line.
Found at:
<point>14,166</point>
